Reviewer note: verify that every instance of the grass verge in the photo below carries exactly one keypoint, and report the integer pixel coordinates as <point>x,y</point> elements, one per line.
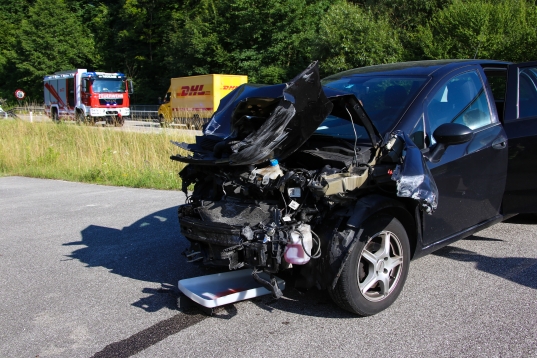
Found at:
<point>90,154</point>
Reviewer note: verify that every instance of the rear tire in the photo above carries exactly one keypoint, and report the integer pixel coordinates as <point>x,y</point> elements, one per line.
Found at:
<point>54,115</point>
<point>376,271</point>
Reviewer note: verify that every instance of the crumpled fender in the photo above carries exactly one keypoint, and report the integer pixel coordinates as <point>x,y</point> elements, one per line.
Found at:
<point>343,242</point>
<point>413,177</point>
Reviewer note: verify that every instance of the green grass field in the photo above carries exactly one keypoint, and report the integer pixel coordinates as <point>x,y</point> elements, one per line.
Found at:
<point>90,154</point>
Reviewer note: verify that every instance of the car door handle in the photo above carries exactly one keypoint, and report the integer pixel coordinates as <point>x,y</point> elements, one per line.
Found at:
<point>499,144</point>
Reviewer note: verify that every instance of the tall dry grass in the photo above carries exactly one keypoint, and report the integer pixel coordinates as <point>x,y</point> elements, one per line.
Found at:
<point>89,154</point>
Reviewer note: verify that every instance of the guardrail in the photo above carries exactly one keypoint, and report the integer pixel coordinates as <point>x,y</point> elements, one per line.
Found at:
<point>28,109</point>
<point>142,112</point>
<point>139,112</point>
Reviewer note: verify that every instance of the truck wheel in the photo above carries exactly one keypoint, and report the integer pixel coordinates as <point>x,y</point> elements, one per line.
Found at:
<point>376,270</point>
<point>54,115</point>
<point>80,117</point>
<point>119,121</point>
<point>162,121</point>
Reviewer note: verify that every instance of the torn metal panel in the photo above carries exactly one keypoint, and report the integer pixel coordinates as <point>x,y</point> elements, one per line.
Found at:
<point>413,177</point>
<point>220,124</point>
<point>303,108</point>
<point>270,125</point>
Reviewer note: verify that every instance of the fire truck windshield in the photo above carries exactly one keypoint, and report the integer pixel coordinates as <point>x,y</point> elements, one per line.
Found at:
<point>108,85</point>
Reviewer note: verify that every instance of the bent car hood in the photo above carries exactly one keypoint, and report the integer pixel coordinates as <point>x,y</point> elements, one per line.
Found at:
<point>256,123</point>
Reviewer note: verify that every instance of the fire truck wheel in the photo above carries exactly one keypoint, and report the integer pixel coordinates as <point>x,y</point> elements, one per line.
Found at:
<point>80,117</point>
<point>118,121</point>
<point>54,114</point>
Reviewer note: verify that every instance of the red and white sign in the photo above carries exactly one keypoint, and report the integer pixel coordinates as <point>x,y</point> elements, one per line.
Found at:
<point>19,94</point>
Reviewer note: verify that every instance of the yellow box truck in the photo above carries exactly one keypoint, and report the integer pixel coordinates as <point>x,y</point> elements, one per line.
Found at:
<point>191,101</point>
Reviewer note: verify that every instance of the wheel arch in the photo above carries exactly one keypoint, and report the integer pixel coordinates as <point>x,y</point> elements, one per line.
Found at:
<point>81,109</point>
<point>365,209</point>
<point>55,112</point>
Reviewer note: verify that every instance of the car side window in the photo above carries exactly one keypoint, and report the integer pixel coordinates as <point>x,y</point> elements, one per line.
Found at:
<point>527,97</point>
<point>462,99</point>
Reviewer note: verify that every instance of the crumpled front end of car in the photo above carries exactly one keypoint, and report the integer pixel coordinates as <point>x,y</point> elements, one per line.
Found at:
<point>268,193</point>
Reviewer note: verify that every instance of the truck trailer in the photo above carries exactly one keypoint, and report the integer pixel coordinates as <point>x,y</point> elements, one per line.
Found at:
<point>87,97</point>
<point>192,100</point>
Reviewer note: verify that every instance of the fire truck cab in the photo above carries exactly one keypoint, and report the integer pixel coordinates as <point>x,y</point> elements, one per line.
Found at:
<point>87,96</point>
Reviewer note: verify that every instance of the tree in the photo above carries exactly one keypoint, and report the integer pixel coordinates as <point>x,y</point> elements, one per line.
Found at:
<point>11,14</point>
<point>268,40</point>
<point>51,39</point>
<point>502,30</point>
<point>350,36</point>
<point>406,16</point>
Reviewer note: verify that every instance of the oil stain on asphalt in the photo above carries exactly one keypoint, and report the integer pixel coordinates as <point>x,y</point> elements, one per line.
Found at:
<point>150,336</point>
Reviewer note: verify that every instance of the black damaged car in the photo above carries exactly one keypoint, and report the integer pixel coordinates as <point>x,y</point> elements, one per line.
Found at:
<point>345,180</point>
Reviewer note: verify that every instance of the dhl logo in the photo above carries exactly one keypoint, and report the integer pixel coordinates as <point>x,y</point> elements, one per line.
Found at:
<point>195,90</point>
<point>229,88</point>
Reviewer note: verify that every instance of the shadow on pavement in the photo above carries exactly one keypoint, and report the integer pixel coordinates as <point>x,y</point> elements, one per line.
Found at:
<point>521,270</point>
<point>148,250</point>
<point>523,219</point>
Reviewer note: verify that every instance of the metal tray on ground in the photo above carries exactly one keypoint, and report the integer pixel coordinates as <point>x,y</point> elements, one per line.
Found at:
<point>225,288</point>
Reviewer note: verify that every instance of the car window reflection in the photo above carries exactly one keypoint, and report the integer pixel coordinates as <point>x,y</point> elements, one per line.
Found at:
<point>462,100</point>
<point>384,98</point>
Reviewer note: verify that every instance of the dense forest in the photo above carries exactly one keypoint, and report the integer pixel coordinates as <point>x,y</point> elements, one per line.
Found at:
<point>268,40</point>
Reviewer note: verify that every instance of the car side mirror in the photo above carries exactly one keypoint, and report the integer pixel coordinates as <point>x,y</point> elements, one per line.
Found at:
<point>448,134</point>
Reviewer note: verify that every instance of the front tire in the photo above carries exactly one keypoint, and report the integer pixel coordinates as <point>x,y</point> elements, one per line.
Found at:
<point>80,117</point>
<point>377,268</point>
<point>162,121</point>
<point>119,121</point>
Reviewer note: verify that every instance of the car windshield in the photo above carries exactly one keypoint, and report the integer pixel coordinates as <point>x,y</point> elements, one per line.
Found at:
<point>384,98</point>
<point>108,85</point>
<point>334,126</point>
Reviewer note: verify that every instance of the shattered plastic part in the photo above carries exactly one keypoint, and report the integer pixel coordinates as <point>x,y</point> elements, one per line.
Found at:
<point>228,287</point>
<point>212,127</point>
<point>235,213</point>
<point>413,177</point>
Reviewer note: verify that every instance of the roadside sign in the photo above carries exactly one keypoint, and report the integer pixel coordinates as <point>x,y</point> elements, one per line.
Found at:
<point>19,94</point>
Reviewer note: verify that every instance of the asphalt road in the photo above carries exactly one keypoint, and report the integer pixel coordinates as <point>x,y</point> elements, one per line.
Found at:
<point>90,271</point>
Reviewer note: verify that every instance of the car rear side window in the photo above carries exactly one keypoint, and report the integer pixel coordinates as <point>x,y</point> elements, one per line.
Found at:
<point>527,97</point>
<point>462,99</point>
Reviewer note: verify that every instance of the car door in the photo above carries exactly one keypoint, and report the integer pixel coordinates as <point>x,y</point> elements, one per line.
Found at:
<point>520,123</point>
<point>470,177</point>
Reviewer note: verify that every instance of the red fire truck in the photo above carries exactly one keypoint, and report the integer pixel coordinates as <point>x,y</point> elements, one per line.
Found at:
<point>87,97</point>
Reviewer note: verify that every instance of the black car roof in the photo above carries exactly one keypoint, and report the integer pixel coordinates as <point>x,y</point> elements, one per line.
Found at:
<point>415,68</point>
